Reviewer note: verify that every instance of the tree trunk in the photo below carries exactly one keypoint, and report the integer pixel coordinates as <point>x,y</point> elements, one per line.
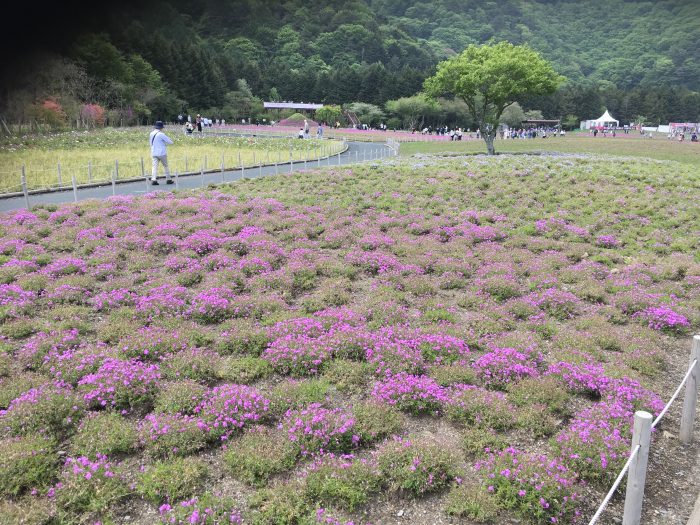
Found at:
<point>488,138</point>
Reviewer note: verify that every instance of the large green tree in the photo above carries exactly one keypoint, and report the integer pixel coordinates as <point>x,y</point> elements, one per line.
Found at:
<point>490,78</point>
<point>413,110</point>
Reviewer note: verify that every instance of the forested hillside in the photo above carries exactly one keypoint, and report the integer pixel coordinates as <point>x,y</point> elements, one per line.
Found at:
<point>160,58</point>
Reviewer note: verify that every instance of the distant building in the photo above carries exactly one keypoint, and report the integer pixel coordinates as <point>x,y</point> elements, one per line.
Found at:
<point>292,105</point>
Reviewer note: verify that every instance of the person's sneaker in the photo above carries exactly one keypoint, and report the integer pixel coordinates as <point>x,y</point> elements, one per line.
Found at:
<point>170,181</point>
<point>154,183</point>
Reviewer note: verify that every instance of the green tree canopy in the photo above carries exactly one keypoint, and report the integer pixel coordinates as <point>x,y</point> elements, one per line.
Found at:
<point>413,110</point>
<point>329,113</point>
<point>490,78</point>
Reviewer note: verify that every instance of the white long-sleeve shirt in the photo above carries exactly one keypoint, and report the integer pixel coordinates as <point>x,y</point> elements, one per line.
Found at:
<point>159,142</point>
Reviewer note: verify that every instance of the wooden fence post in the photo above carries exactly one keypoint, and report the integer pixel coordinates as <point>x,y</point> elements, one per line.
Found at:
<point>75,189</point>
<point>89,171</point>
<point>116,169</point>
<point>60,179</point>
<point>114,189</point>
<point>691,394</point>
<point>143,168</point>
<point>23,180</point>
<point>637,475</point>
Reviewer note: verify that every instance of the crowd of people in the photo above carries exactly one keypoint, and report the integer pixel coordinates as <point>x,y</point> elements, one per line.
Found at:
<point>532,133</point>
<point>191,125</point>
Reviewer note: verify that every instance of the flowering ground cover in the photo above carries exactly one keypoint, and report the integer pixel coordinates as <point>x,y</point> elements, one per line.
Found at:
<point>92,156</point>
<point>467,338</point>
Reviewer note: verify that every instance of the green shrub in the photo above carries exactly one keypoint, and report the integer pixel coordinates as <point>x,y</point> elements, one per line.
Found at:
<point>169,435</point>
<point>117,326</point>
<point>453,374</point>
<point>282,505</point>
<point>501,288</point>
<point>5,365</point>
<point>12,387</point>
<point>416,468</point>
<point>481,408</point>
<point>260,453</point>
<point>376,421</point>
<point>26,511</point>
<point>46,410</point>
<point>69,317</point>
<point>26,462</point>
<point>537,420</point>
<point>292,394</point>
<point>244,339</point>
<point>348,376</point>
<point>188,279</point>
<point>243,370</point>
<point>547,391</point>
<point>89,489</point>
<point>179,397</point>
<point>191,363</point>
<point>106,433</point>
<point>217,509</point>
<point>343,485</point>
<point>472,502</point>
<point>33,282</point>
<point>173,480</point>
<point>476,440</point>
<point>19,328</point>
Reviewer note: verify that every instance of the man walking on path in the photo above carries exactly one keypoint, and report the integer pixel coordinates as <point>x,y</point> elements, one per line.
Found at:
<point>159,153</point>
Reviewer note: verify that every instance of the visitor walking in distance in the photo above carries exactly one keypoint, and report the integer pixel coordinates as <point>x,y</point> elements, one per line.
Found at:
<point>159,152</point>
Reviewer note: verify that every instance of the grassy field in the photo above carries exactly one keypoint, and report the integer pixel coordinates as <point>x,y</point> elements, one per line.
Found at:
<point>633,146</point>
<point>465,339</point>
<point>94,156</point>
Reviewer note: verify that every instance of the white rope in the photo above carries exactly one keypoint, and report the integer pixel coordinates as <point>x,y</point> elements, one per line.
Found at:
<point>610,493</point>
<point>675,394</point>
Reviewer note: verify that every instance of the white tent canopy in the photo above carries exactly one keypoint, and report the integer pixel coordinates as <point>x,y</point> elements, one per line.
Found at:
<point>604,121</point>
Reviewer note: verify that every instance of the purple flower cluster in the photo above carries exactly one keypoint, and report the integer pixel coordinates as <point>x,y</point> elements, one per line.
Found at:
<point>120,384</point>
<point>65,266</point>
<point>212,305</point>
<point>378,263</point>
<point>199,511</point>
<point>318,430</point>
<point>228,408</point>
<point>163,300</point>
<point>413,393</point>
<point>607,241</point>
<point>172,434</point>
<point>538,487</point>
<point>663,318</point>
<point>584,378</point>
<point>112,299</point>
<point>16,299</point>
<point>502,366</point>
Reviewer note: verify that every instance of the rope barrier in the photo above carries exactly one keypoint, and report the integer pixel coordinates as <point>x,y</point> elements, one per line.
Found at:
<point>634,453</point>
<point>618,480</point>
<point>675,394</point>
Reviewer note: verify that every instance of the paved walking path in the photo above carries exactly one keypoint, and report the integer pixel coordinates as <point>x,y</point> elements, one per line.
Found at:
<point>356,152</point>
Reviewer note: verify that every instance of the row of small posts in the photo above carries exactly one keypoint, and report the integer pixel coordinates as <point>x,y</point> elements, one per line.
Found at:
<point>644,423</point>
<point>114,176</point>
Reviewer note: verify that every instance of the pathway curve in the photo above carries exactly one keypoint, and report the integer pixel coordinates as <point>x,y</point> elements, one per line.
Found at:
<point>356,152</point>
